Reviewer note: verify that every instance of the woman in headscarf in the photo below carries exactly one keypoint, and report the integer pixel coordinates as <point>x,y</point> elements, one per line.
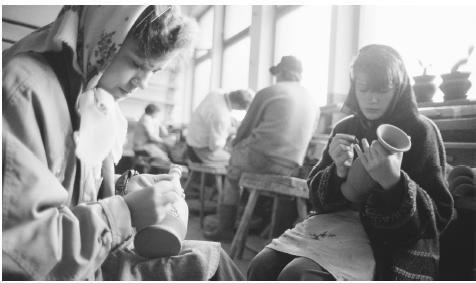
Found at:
<point>62,131</point>
<point>391,232</point>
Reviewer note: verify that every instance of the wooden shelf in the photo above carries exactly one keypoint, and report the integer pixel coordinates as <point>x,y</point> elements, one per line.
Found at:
<point>447,103</point>
<point>460,145</point>
<point>448,111</point>
<point>456,123</point>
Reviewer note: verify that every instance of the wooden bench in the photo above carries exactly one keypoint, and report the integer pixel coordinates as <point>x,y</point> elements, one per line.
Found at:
<point>202,170</point>
<point>269,185</point>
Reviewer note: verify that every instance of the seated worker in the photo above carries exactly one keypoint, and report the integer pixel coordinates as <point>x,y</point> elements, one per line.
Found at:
<point>211,124</point>
<point>150,135</point>
<point>62,130</point>
<point>272,139</point>
<point>391,231</point>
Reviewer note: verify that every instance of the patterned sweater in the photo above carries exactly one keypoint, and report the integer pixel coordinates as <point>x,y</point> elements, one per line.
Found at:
<point>404,223</point>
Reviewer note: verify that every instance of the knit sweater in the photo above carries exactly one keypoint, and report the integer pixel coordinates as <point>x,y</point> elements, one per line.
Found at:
<point>279,122</point>
<point>403,223</point>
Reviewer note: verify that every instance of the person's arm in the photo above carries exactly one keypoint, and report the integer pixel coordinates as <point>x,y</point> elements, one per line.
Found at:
<point>151,131</point>
<point>163,132</point>
<point>324,184</point>
<point>219,125</point>
<point>249,121</point>
<point>43,237</point>
<point>418,206</point>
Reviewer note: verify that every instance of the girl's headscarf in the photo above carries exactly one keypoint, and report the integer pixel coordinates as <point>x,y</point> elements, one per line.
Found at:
<point>385,67</point>
<point>93,33</point>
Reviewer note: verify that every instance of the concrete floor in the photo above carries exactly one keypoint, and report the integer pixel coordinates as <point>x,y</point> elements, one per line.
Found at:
<point>194,232</point>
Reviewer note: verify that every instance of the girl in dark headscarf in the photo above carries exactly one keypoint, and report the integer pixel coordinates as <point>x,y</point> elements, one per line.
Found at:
<point>392,234</point>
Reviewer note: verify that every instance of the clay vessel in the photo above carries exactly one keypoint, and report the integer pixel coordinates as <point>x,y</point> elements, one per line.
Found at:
<point>359,184</point>
<point>165,238</point>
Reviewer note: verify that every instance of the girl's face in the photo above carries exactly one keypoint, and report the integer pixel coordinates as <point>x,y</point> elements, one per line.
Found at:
<point>373,104</point>
<point>129,70</point>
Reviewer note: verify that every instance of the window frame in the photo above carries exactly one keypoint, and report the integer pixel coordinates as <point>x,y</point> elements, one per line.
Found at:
<point>208,54</point>
<point>285,10</point>
<point>232,40</point>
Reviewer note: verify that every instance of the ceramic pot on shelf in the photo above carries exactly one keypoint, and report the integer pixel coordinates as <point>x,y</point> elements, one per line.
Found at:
<point>455,85</point>
<point>424,88</point>
<point>359,184</point>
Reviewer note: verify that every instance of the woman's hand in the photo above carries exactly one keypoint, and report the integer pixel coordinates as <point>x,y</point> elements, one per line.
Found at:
<point>141,181</point>
<point>382,166</point>
<point>342,153</point>
<point>149,198</point>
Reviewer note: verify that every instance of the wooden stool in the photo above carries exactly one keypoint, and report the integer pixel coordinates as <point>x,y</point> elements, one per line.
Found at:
<point>217,171</point>
<point>269,185</point>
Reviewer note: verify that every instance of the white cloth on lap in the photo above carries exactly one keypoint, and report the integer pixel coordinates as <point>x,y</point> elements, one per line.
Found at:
<point>337,241</point>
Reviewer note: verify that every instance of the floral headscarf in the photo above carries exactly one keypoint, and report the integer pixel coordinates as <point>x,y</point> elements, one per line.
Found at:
<point>94,34</point>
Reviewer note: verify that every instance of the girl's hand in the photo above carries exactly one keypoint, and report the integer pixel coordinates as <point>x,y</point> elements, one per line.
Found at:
<point>342,153</point>
<point>382,166</point>
<point>150,198</point>
<point>141,181</point>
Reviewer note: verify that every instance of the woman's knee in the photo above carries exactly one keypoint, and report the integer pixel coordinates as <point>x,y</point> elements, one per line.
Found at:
<point>304,269</point>
<point>266,265</point>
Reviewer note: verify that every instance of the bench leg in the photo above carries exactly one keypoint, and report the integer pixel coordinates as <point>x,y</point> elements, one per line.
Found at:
<point>239,240</point>
<point>266,232</point>
<point>188,182</point>
<point>202,198</point>
<point>273,217</point>
<point>219,184</point>
<point>302,208</point>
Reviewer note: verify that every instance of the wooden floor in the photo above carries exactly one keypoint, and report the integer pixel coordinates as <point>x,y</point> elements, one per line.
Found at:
<point>195,233</point>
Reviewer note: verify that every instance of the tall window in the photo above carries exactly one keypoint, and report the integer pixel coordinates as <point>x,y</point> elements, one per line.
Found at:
<point>201,81</point>
<point>305,33</point>
<point>237,18</point>
<point>236,53</point>
<point>436,35</point>
<point>203,64</point>
<point>236,61</point>
<point>205,41</point>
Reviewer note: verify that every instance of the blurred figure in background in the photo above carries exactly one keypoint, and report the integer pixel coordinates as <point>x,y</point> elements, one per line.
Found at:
<point>272,138</point>
<point>211,125</point>
<point>151,137</point>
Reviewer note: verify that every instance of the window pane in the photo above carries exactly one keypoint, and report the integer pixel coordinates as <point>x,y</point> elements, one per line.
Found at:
<point>436,35</point>
<point>236,61</point>
<point>305,33</point>
<point>205,41</point>
<point>237,18</point>
<point>201,83</point>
